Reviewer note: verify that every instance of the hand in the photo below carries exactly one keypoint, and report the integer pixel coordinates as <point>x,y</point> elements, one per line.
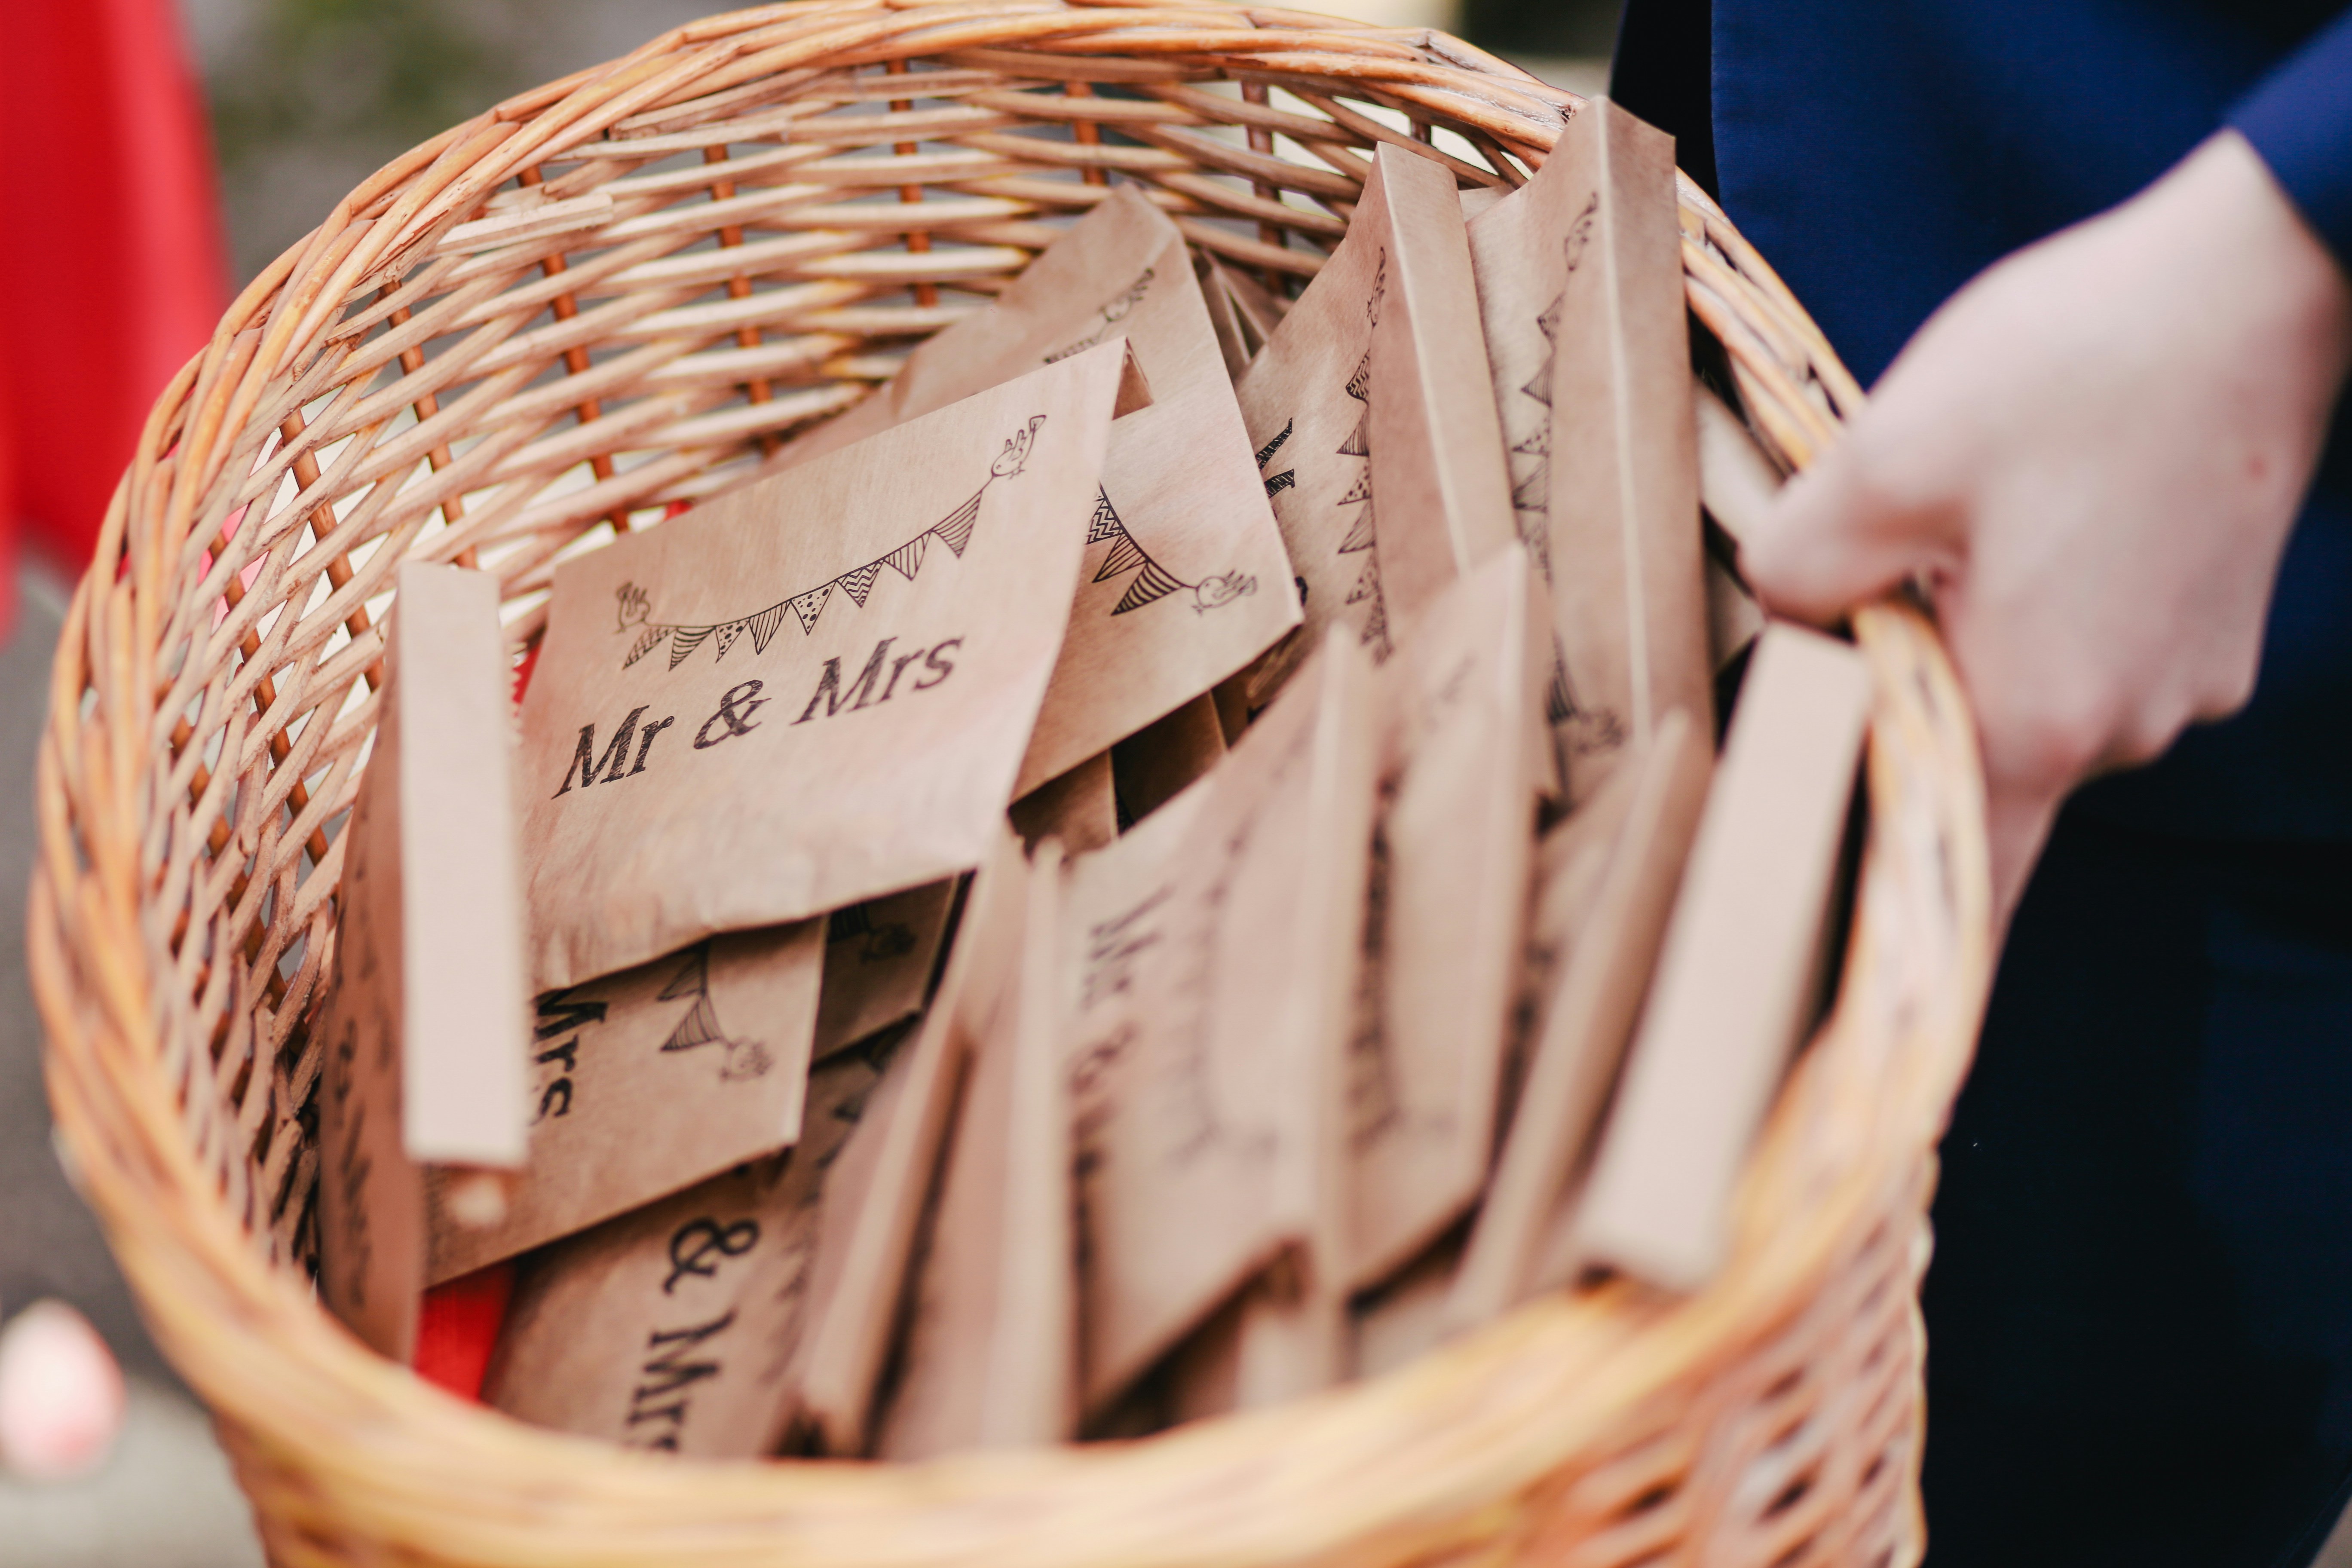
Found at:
<point>2091,458</point>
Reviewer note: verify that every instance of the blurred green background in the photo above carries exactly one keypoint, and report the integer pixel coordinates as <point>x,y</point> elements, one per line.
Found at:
<point>308,97</point>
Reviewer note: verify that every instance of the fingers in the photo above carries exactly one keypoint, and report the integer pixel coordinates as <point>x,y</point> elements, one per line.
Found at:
<point>2017,824</point>
<point>1835,538</point>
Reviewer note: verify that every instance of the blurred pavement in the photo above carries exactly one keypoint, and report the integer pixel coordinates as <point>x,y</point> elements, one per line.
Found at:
<point>164,1499</point>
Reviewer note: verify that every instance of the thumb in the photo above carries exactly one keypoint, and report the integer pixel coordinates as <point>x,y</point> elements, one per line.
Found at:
<point>1832,540</point>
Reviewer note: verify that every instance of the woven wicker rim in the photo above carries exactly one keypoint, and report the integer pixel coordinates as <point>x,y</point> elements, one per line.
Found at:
<point>1588,1397</point>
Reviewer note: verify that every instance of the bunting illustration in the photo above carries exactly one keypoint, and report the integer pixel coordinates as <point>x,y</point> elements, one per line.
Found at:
<point>700,1027</point>
<point>1276,483</point>
<point>1362,536</point>
<point>1531,489</point>
<point>1153,582</point>
<point>954,530</point>
<point>1113,314</point>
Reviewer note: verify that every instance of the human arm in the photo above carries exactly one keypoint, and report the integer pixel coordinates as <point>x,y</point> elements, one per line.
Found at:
<point>2091,455</point>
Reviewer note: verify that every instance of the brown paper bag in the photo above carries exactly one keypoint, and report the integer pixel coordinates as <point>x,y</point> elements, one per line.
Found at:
<point>1080,809</point>
<point>1224,319</point>
<point>1243,311</point>
<point>1451,877</point>
<point>1187,579</point>
<point>1163,758</point>
<point>893,611</point>
<point>1581,286</point>
<point>1736,482</point>
<point>1733,618</point>
<point>1405,1319</point>
<point>876,1201</point>
<point>1375,385</point>
<point>1597,994</point>
<point>880,957</point>
<point>1738,967</point>
<point>426,1026</point>
<point>1213,952</point>
<point>670,1328</point>
<point>991,1357</point>
<point>1570,862</point>
<point>1261,309</point>
<point>648,1081</point>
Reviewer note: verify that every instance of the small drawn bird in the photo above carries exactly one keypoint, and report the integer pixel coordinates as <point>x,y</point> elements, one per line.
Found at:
<point>1016,449</point>
<point>634,605</point>
<point>1223,589</point>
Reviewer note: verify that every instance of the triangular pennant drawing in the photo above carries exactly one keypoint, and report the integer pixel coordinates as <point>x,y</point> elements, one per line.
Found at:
<point>1271,447</point>
<point>1358,442</point>
<point>908,559</point>
<point>860,583</point>
<point>1276,483</point>
<point>1533,493</point>
<point>1104,524</point>
<point>1367,585</point>
<point>808,607</point>
<point>693,976</point>
<point>1157,582</point>
<point>649,640</point>
<point>955,528</point>
<point>1125,555</point>
<point>1152,582</point>
<point>1559,704</point>
<point>1539,385</point>
<point>1376,629</point>
<point>700,1025</point>
<point>1359,533</point>
<point>698,1028</point>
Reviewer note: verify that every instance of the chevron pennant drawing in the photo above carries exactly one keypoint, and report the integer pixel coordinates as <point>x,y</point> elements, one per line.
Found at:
<point>1153,582</point>
<point>954,530</point>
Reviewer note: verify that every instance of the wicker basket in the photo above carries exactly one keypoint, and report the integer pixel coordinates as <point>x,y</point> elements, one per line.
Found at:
<point>594,356</point>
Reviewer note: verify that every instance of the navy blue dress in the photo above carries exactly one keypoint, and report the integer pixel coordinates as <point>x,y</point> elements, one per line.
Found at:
<point>2140,1310</point>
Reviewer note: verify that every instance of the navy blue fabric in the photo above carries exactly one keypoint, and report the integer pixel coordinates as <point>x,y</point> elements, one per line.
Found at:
<point>2301,119</point>
<point>2139,1316</point>
<point>2140,1310</point>
<point>1883,152</point>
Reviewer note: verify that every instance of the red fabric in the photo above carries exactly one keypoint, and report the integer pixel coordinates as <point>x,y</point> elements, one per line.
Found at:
<point>523,670</point>
<point>112,273</point>
<point>459,1329</point>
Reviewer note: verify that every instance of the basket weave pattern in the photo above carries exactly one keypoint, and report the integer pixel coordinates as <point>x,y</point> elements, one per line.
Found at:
<point>611,296</point>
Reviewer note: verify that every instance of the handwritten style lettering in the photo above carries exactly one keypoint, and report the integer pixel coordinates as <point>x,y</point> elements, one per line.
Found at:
<point>560,1015</point>
<point>692,1245</point>
<point>746,697</point>
<point>668,1373</point>
<point>874,687</point>
<point>586,764</point>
